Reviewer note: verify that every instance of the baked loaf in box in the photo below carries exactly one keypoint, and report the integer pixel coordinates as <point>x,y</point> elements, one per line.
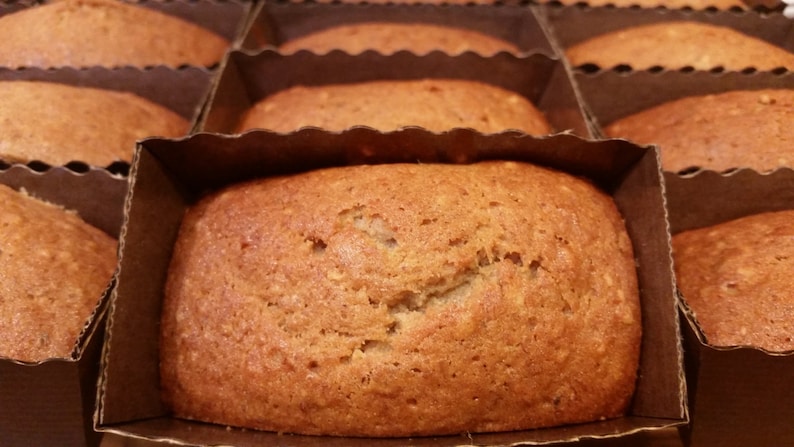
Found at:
<point>387,38</point>
<point>734,129</point>
<point>82,33</point>
<point>678,44</point>
<point>58,123</point>
<point>55,268</point>
<point>402,300</point>
<point>669,4</point>
<point>736,278</point>
<point>435,104</point>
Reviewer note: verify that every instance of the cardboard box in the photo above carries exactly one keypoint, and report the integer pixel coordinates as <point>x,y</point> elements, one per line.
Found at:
<point>168,175</point>
<point>247,78</point>
<point>739,396</point>
<point>184,90</point>
<point>571,25</point>
<point>51,403</point>
<point>275,23</point>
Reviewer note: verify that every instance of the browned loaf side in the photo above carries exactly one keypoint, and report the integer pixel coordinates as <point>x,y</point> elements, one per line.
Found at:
<point>402,300</point>
<point>736,278</point>
<point>669,4</point>
<point>678,44</point>
<point>435,104</point>
<point>58,123</point>
<point>83,33</point>
<point>734,129</point>
<point>390,37</point>
<point>55,268</point>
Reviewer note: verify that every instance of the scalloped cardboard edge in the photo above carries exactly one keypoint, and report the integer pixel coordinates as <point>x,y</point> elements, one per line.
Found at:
<point>169,174</point>
<point>249,76</point>
<point>739,396</point>
<point>274,23</point>
<point>572,24</point>
<point>51,402</point>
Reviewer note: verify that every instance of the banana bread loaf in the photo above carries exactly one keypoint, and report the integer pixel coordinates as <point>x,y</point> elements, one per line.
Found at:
<point>402,300</point>
<point>734,129</point>
<point>58,123</point>
<point>80,33</point>
<point>55,268</point>
<point>435,104</point>
<point>736,278</point>
<point>387,37</point>
<point>678,44</point>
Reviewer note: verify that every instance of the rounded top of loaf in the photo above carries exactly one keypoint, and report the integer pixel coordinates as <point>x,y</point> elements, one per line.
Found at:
<point>733,129</point>
<point>400,300</point>
<point>81,33</point>
<point>679,44</point>
<point>58,123</point>
<point>55,268</point>
<point>435,104</point>
<point>390,37</point>
<point>736,278</point>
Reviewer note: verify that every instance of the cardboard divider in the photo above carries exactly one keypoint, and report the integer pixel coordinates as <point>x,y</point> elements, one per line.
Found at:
<point>52,402</point>
<point>247,78</point>
<point>274,23</point>
<point>739,396</point>
<point>169,175</point>
<point>570,25</point>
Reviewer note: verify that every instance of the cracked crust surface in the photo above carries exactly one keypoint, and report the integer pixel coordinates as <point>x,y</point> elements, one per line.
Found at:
<point>736,278</point>
<point>54,269</point>
<point>435,104</point>
<point>387,37</point>
<point>400,300</point>
<point>82,33</point>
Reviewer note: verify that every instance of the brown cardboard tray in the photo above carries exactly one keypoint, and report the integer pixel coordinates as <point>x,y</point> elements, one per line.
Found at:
<point>168,175</point>
<point>739,395</point>
<point>52,402</point>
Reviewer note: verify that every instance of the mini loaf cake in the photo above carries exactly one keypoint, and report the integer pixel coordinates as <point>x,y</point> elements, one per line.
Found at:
<point>402,300</point>
<point>82,33</point>
<point>678,44</point>
<point>386,37</point>
<point>55,268</point>
<point>435,104</point>
<point>736,278</point>
<point>734,129</point>
<point>58,123</point>
<point>669,4</point>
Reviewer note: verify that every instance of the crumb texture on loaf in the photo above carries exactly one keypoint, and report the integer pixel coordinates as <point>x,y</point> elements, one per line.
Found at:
<point>58,123</point>
<point>54,269</point>
<point>390,37</point>
<point>401,300</point>
<point>435,104</point>
<point>734,129</point>
<point>678,44</point>
<point>82,33</point>
<point>736,278</point>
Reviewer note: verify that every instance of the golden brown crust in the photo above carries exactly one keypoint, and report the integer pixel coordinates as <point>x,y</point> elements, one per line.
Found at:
<point>735,129</point>
<point>55,268</point>
<point>736,277</point>
<point>82,33</point>
<point>57,123</point>
<point>355,301</point>
<point>676,45</point>
<point>436,104</point>
<point>669,4</point>
<point>387,38</point>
